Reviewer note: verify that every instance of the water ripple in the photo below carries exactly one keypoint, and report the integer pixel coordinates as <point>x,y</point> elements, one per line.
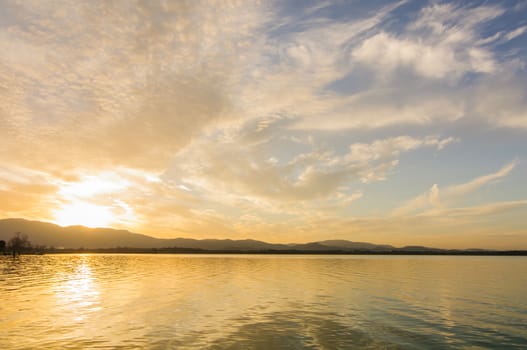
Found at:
<point>262,302</point>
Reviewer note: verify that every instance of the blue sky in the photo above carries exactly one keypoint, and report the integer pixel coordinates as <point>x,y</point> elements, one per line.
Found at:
<point>381,121</point>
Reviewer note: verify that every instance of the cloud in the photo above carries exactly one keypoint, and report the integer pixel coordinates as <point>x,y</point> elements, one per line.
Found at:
<point>500,100</point>
<point>25,192</point>
<point>389,53</point>
<point>117,84</point>
<point>453,20</point>
<point>480,210</point>
<point>237,169</point>
<point>516,33</point>
<point>471,186</point>
<point>208,117</point>
<point>392,147</point>
<point>360,74</point>
<point>435,200</point>
<point>439,44</point>
<point>133,85</point>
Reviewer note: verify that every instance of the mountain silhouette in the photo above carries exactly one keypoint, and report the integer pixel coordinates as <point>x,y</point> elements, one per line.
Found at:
<point>76,237</point>
<point>73,237</point>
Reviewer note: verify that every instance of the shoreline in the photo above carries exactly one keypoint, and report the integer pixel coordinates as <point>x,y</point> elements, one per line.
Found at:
<point>270,252</point>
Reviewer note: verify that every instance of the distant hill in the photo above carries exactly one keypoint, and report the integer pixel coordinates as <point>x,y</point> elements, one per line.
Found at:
<point>75,237</point>
<point>42,233</point>
<point>356,245</point>
<point>47,234</point>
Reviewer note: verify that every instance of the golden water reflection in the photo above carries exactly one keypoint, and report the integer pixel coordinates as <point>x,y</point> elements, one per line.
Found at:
<point>205,301</point>
<point>76,292</point>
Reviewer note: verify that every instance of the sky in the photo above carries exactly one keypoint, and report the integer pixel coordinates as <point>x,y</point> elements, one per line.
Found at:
<point>389,122</point>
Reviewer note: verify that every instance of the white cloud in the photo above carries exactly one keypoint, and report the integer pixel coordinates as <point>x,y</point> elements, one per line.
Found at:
<point>436,199</point>
<point>236,169</point>
<point>439,44</point>
<point>447,17</point>
<point>441,48</point>
<point>392,147</point>
<point>516,33</point>
<point>387,53</point>
<point>471,186</point>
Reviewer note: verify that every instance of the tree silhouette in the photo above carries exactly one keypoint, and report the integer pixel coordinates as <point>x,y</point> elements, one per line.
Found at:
<point>19,243</point>
<point>2,246</point>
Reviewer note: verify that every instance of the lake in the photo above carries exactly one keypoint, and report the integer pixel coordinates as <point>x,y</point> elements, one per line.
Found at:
<point>262,302</point>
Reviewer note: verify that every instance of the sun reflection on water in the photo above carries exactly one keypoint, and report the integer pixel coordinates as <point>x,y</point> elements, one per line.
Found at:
<point>203,301</point>
<point>77,293</point>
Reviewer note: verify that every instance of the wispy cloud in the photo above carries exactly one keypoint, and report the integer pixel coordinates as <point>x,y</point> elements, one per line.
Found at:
<point>471,186</point>
<point>435,198</point>
<point>516,33</point>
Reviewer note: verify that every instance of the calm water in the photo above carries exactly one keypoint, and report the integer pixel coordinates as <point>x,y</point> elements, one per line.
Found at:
<point>262,302</point>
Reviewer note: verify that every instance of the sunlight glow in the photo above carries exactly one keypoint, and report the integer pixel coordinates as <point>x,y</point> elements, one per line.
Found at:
<point>85,214</point>
<point>90,186</point>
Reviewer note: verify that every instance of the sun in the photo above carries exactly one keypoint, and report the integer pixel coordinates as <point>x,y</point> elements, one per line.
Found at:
<point>85,214</point>
<point>90,201</point>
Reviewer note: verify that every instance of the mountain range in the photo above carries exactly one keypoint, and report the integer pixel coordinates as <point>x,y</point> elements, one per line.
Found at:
<point>72,237</point>
<point>75,237</point>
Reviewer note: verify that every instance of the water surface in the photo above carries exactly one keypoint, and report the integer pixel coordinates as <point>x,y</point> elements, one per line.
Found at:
<point>262,302</point>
